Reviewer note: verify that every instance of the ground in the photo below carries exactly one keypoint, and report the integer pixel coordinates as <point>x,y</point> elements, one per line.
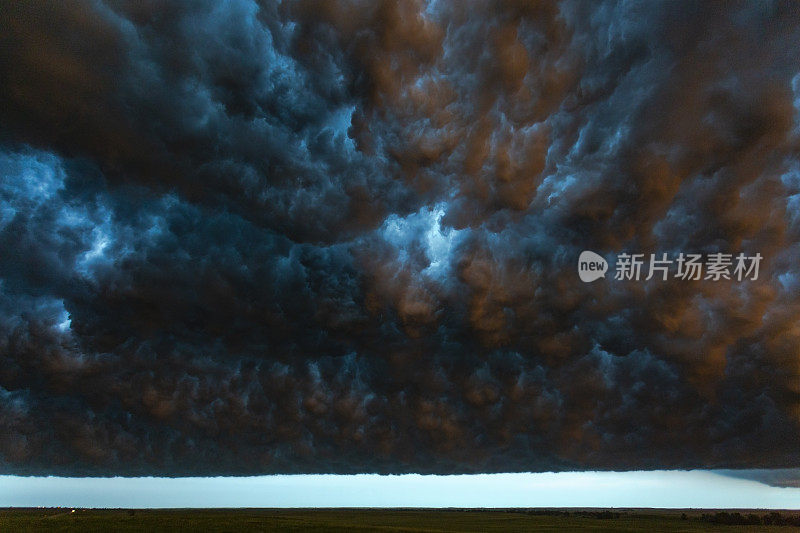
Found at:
<point>342,520</point>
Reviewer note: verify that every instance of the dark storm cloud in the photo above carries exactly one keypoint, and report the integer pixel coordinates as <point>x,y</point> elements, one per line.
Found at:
<point>341,236</point>
<point>776,477</point>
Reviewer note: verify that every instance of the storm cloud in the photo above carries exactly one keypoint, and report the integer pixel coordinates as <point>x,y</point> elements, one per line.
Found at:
<point>341,237</point>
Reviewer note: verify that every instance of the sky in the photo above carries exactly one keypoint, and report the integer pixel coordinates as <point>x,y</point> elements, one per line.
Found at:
<point>656,489</point>
<point>337,237</point>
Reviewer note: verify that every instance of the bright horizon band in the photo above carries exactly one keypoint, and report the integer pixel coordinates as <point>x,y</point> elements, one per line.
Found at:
<point>656,489</point>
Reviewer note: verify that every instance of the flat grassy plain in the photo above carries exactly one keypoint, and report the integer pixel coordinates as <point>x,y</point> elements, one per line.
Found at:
<point>341,520</point>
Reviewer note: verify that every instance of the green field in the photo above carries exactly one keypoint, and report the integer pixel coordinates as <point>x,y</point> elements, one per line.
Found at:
<point>341,520</point>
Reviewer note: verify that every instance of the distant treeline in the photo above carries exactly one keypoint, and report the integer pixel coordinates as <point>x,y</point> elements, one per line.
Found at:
<point>751,519</point>
<point>773,518</point>
<point>582,514</point>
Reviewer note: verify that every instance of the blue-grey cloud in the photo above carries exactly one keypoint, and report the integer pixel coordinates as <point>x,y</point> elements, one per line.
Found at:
<point>250,237</point>
<point>776,477</point>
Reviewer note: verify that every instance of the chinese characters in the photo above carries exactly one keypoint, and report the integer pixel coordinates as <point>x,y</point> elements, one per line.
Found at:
<point>714,267</point>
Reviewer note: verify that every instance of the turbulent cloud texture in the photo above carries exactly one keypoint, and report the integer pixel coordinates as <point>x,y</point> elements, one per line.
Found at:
<point>241,238</point>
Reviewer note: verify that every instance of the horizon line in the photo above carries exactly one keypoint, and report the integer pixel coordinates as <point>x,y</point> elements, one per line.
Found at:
<point>655,489</point>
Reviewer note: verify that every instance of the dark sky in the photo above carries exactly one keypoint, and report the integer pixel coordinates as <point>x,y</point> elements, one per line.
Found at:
<point>341,237</point>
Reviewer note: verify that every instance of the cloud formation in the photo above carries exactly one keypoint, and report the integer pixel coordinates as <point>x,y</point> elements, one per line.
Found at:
<point>776,477</point>
<point>250,238</point>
